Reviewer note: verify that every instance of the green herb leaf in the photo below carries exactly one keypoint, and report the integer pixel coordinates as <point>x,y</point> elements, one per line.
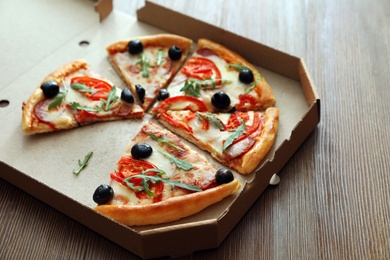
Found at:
<point>238,67</point>
<point>155,179</point>
<point>179,163</point>
<point>211,118</point>
<point>250,87</point>
<point>191,89</point>
<point>160,55</point>
<point>82,88</point>
<point>76,105</point>
<point>240,130</point>
<point>107,104</point>
<point>162,140</point>
<point>59,98</point>
<point>83,164</point>
<point>144,66</point>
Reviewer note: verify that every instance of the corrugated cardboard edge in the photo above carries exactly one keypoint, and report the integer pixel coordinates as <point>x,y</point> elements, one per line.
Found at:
<point>104,8</point>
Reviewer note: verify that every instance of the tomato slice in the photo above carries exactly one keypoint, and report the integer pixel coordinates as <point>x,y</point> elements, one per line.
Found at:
<point>201,68</point>
<point>247,102</point>
<point>102,88</point>
<point>235,121</point>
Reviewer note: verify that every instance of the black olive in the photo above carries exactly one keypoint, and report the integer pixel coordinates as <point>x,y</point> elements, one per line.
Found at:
<point>174,52</point>
<point>163,94</point>
<point>141,150</point>
<point>220,100</point>
<point>140,92</point>
<point>246,76</point>
<point>232,110</point>
<point>50,88</point>
<point>127,96</point>
<point>135,46</point>
<point>103,194</point>
<point>224,175</point>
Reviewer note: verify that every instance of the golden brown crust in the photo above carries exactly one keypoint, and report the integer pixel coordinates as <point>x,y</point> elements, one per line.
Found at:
<point>169,210</point>
<point>247,163</point>
<point>267,97</point>
<point>30,124</point>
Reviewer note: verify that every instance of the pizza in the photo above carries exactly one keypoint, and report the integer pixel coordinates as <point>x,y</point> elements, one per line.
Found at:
<point>159,179</point>
<point>75,95</point>
<point>147,63</point>
<point>239,140</point>
<point>222,80</point>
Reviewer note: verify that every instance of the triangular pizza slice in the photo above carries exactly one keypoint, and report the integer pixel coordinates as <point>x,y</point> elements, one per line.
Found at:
<point>222,80</point>
<point>239,140</point>
<point>147,63</point>
<point>160,179</point>
<point>75,95</point>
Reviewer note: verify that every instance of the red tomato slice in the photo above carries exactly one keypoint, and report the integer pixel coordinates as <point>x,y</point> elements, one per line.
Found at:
<point>201,68</point>
<point>182,103</point>
<point>102,88</point>
<point>235,121</point>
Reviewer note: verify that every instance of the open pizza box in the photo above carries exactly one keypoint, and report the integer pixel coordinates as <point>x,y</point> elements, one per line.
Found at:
<point>42,165</point>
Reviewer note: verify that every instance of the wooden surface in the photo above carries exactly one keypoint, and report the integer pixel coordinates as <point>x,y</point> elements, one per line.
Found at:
<point>333,199</point>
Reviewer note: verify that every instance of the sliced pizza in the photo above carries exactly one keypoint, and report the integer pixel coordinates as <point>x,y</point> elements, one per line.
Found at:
<point>75,95</point>
<point>160,179</point>
<point>147,63</point>
<point>239,140</point>
<point>222,80</point>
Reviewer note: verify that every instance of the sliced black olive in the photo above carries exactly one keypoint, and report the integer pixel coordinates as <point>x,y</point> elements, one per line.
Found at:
<point>135,46</point>
<point>127,96</point>
<point>224,175</point>
<point>103,194</point>
<point>246,76</point>
<point>163,94</point>
<point>50,88</point>
<point>174,52</point>
<point>220,100</point>
<point>232,110</point>
<point>140,92</point>
<point>141,150</point>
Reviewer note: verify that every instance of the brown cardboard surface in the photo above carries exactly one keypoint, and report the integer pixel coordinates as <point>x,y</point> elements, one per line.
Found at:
<point>42,165</point>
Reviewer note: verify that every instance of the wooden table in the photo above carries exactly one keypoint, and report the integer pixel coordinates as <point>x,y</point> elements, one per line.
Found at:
<point>333,199</point>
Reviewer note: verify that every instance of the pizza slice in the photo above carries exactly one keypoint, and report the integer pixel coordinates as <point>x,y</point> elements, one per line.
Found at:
<point>222,80</point>
<point>239,140</point>
<point>75,95</point>
<point>160,179</point>
<point>147,63</point>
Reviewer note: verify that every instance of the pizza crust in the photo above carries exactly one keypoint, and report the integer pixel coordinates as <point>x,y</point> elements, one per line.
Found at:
<point>169,210</point>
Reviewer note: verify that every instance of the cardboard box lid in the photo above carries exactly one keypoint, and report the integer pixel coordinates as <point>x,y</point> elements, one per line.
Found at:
<point>27,162</point>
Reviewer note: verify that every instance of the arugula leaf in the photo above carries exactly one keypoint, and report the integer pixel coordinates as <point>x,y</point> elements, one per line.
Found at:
<point>191,89</point>
<point>83,164</point>
<point>76,105</point>
<point>144,66</point>
<point>179,163</point>
<point>107,104</point>
<point>238,67</point>
<point>155,179</point>
<point>160,55</point>
<point>162,140</point>
<point>82,88</point>
<point>211,118</point>
<point>240,130</point>
<point>59,98</point>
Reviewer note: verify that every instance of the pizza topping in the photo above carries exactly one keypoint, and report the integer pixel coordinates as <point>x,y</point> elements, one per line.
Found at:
<point>127,96</point>
<point>141,150</point>
<point>135,46</point>
<point>201,68</point>
<point>193,87</point>
<point>94,89</point>
<point>50,88</point>
<point>140,92</point>
<point>103,194</point>
<point>179,163</point>
<point>236,134</point>
<point>144,62</point>
<point>246,76</point>
<point>223,176</point>
<point>160,55</point>
<point>76,105</point>
<point>182,103</point>
<point>220,100</point>
<point>162,140</point>
<point>58,99</point>
<point>209,117</point>
<point>163,94</point>
<point>142,181</point>
<point>175,53</point>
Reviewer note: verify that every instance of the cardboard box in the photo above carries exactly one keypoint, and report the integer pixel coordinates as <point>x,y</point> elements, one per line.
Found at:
<point>42,165</point>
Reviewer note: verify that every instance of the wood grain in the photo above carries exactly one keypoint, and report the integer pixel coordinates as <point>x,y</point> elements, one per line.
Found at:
<point>333,199</point>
